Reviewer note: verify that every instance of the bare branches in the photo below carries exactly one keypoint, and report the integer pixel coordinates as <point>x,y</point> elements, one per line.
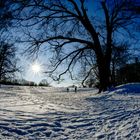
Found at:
<point>88,73</point>
<point>67,29</point>
<point>76,8</point>
<point>8,61</point>
<point>72,55</point>
<point>69,39</point>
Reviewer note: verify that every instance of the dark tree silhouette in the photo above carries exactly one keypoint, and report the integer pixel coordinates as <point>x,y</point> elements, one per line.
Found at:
<point>70,28</point>
<point>44,82</point>
<point>120,57</point>
<point>7,51</point>
<point>8,61</point>
<point>5,14</point>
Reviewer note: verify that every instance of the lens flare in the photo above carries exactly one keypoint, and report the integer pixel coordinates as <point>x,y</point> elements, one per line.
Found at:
<point>36,68</point>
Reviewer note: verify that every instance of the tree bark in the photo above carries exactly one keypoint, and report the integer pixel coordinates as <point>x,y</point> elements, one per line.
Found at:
<point>113,76</point>
<point>104,74</point>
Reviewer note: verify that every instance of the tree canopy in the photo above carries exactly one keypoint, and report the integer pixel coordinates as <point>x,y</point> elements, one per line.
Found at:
<point>73,29</point>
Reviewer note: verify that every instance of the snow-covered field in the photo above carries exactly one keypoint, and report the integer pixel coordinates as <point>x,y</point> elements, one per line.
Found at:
<point>38,113</point>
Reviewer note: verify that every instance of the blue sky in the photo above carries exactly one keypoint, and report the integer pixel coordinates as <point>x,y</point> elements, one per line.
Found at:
<point>29,75</point>
<point>42,60</point>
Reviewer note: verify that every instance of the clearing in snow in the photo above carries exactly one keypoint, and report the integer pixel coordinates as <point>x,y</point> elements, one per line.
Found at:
<point>54,114</point>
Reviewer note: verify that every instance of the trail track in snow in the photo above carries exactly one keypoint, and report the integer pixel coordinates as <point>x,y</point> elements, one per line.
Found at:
<point>53,114</point>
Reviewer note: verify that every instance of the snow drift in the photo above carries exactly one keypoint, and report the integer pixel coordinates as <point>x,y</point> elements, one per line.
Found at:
<point>130,88</point>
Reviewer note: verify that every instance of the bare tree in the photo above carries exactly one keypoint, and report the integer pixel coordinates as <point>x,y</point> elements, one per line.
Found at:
<point>70,28</point>
<point>8,61</point>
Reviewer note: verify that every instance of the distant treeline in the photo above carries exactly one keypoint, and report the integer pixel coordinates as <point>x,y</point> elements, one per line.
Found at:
<point>23,82</point>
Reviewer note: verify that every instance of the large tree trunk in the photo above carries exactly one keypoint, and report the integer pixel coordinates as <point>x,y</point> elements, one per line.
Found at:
<point>104,74</point>
<point>113,76</point>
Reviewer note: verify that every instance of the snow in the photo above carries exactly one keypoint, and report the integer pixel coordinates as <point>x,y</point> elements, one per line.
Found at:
<point>46,113</point>
<point>130,88</point>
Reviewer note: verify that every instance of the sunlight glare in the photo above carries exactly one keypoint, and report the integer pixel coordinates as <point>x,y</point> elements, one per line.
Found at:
<point>36,68</point>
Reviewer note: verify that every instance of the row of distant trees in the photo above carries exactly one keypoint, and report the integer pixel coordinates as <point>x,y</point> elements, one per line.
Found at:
<point>23,82</point>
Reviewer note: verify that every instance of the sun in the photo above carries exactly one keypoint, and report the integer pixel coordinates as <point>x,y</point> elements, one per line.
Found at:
<point>36,68</point>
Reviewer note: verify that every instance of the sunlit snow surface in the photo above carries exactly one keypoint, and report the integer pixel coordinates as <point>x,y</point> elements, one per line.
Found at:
<point>39,113</point>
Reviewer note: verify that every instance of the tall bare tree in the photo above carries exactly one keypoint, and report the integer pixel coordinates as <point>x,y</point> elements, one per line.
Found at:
<point>70,28</point>
<point>8,61</point>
